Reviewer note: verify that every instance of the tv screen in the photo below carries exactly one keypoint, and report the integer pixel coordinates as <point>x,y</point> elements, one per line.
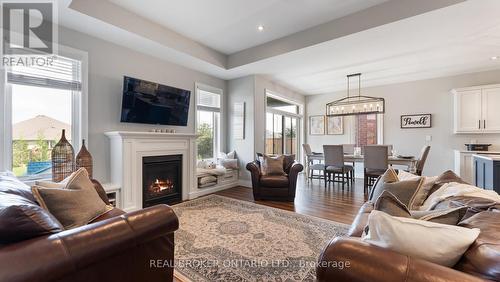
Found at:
<point>153,103</point>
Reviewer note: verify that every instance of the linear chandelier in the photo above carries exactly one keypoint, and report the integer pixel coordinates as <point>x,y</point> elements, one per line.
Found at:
<point>355,105</point>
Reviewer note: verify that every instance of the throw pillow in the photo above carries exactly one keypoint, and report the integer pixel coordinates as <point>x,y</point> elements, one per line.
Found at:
<point>447,216</point>
<point>424,190</point>
<point>10,184</point>
<point>77,204</point>
<point>389,204</point>
<point>272,165</point>
<point>229,163</point>
<point>388,177</point>
<point>446,177</point>
<point>404,191</point>
<point>438,243</point>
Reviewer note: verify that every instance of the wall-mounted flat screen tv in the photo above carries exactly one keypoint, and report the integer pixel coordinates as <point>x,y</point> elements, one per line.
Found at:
<point>152,103</point>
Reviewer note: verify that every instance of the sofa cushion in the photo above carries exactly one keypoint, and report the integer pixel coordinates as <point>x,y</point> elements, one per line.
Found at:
<point>361,220</point>
<point>438,243</point>
<point>76,204</point>
<point>21,218</point>
<point>483,257</point>
<point>389,204</point>
<point>274,181</point>
<point>10,184</point>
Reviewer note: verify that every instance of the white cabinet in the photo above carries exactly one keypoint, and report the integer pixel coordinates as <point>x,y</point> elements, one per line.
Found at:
<point>464,163</point>
<point>476,109</point>
<point>491,109</point>
<point>464,166</point>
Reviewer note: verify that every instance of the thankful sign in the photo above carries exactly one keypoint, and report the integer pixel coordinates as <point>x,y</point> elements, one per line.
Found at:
<point>416,121</point>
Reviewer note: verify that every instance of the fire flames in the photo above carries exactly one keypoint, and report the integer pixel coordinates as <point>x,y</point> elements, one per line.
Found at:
<point>159,186</point>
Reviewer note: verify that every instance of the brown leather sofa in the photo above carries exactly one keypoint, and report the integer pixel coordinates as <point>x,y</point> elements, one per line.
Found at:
<point>117,246</point>
<point>371,263</point>
<point>274,187</point>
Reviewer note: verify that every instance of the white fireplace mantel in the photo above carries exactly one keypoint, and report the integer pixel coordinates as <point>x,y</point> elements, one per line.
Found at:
<point>127,148</point>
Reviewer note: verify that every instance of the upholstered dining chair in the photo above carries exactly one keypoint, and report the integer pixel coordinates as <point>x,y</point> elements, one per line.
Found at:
<point>334,164</point>
<point>376,163</point>
<point>311,165</point>
<point>349,150</point>
<point>421,160</point>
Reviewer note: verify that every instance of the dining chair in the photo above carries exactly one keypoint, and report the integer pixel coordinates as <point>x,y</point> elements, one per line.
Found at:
<point>334,164</point>
<point>421,160</point>
<point>376,163</point>
<point>311,166</point>
<point>349,150</point>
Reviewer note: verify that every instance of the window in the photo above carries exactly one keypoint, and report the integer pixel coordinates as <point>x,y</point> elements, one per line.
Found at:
<point>366,130</point>
<point>208,111</point>
<point>282,131</point>
<point>41,101</point>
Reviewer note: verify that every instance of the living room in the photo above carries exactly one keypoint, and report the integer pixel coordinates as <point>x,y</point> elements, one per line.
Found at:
<point>223,141</point>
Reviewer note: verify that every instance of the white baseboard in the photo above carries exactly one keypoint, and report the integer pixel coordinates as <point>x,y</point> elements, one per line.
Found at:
<point>245,183</point>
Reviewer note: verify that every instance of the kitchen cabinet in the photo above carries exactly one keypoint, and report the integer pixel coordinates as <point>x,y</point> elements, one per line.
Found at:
<point>487,172</point>
<point>476,109</point>
<point>464,163</point>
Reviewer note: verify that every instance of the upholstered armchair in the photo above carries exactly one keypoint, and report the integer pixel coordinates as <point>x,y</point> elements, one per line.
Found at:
<point>274,187</point>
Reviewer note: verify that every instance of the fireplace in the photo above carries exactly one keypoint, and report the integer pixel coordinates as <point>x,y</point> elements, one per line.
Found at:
<point>162,180</point>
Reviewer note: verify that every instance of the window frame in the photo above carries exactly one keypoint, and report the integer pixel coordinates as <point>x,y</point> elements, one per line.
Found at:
<point>218,126</point>
<point>79,111</point>
<point>299,116</point>
<point>380,130</point>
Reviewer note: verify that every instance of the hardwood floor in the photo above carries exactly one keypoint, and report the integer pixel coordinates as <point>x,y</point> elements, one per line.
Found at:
<point>314,199</point>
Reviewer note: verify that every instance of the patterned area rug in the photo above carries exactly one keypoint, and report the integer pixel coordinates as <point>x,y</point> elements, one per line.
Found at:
<point>223,239</point>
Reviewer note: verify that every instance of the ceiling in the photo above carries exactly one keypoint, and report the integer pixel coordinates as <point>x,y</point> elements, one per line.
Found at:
<point>229,26</point>
<point>391,42</point>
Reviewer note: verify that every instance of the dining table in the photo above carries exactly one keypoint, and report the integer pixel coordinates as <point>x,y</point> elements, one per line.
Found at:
<point>408,161</point>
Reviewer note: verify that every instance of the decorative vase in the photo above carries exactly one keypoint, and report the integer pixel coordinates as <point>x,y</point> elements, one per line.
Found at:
<point>84,159</point>
<point>63,155</point>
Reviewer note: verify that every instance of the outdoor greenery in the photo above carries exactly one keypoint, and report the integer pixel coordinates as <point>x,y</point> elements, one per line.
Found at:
<point>205,141</point>
<point>24,152</point>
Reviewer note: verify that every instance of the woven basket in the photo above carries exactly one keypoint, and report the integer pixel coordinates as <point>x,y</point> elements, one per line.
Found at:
<point>84,159</point>
<point>63,163</point>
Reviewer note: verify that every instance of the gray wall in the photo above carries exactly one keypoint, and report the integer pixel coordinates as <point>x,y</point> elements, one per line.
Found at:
<point>108,63</point>
<point>252,91</point>
<point>242,90</point>
<point>427,96</point>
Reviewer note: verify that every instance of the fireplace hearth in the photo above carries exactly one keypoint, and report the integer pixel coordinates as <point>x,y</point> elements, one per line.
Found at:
<point>162,180</point>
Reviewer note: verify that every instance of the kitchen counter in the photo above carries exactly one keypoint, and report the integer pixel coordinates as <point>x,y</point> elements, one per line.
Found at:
<point>479,152</point>
<point>487,171</point>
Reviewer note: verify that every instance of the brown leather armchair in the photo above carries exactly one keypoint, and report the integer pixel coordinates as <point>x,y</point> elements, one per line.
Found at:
<point>274,187</point>
<point>117,246</point>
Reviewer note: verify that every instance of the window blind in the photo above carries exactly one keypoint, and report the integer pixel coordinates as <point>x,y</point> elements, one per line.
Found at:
<point>63,73</point>
<point>208,100</point>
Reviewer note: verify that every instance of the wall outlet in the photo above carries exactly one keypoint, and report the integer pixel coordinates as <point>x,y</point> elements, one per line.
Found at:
<point>428,138</point>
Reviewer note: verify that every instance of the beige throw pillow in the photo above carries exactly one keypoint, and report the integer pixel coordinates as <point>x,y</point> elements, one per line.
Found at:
<point>404,191</point>
<point>438,243</point>
<point>423,191</point>
<point>76,204</point>
<point>389,176</point>
<point>389,204</point>
<point>272,165</point>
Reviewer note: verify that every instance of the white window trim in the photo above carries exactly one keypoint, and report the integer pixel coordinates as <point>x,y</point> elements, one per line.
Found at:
<point>380,130</point>
<point>299,116</point>
<point>79,109</point>
<point>219,127</point>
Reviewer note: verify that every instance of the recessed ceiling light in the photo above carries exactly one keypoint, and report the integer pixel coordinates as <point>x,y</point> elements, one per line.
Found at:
<point>260,28</point>
<point>494,58</point>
